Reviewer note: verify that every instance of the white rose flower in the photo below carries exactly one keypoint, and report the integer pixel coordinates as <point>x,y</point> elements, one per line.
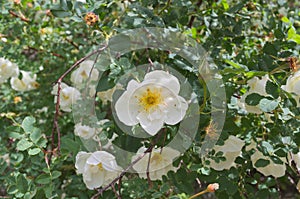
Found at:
<point>81,74</point>
<point>293,86</point>
<point>68,95</point>
<point>276,170</point>
<point>7,70</point>
<point>27,83</point>
<point>152,103</point>
<point>160,162</point>
<point>256,86</point>
<point>98,168</point>
<point>231,150</point>
<point>84,131</point>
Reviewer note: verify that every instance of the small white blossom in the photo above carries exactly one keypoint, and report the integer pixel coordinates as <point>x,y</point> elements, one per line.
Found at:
<point>98,168</point>
<point>84,131</point>
<point>7,70</point>
<point>293,86</point>
<point>152,103</point>
<point>80,76</point>
<point>231,150</point>
<point>27,83</point>
<point>68,96</point>
<point>160,162</point>
<point>258,86</point>
<point>276,170</point>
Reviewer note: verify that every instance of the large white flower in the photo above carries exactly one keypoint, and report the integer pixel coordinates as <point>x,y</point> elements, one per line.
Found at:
<point>293,86</point>
<point>258,86</point>
<point>7,70</point>
<point>276,170</point>
<point>68,95</point>
<point>98,168</point>
<point>82,74</point>
<point>231,150</point>
<point>160,162</point>
<point>27,83</point>
<point>152,103</point>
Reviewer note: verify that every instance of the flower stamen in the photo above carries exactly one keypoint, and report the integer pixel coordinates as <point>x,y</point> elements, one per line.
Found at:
<point>150,99</point>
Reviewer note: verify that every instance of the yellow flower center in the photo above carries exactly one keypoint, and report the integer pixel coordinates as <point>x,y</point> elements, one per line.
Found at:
<point>150,99</point>
<point>156,157</point>
<point>84,75</point>
<point>100,167</point>
<point>65,97</point>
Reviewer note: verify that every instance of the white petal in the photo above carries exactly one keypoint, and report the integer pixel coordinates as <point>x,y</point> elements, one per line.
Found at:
<point>150,126</point>
<point>125,106</point>
<point>170,153</point>
<point>176,109</point>
<point>93,179</point>
<point>164,79</point>
<point>81,158</point>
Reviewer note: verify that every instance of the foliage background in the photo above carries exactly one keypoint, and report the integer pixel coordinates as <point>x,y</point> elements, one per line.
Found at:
<point>244,38</point>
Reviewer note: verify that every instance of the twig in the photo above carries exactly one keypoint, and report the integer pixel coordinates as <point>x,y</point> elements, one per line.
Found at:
<point>192,19</point>
<point>58,82</point>
<point>147,172</point>
<point>18,16</point>
<point>72,43</point>
<point>116,193</point>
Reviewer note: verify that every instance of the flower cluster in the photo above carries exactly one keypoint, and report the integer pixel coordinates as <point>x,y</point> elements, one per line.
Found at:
<point>152,103</point>
<point>11,70</point>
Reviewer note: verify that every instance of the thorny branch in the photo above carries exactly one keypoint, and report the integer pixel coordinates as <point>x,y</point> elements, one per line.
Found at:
<point>56,115</point>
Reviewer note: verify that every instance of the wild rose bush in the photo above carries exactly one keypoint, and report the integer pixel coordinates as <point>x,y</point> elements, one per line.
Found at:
<point>149,99</point>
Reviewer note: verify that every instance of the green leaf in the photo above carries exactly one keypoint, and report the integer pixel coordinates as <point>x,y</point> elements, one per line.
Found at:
<point>35,135</point>
<point>270,49</point>
<point>22,183</point>
<point>272,89</point>
<point>27,124</point>
<point>253,99</point>
<point>292,35</point>
<point>43,179</point>
<point>34,151</point>
<point>268,147</point>
<point>285,20</point>
<point>235,65</point>
<point>55,174</point>
<point>61,13</point>
<point>261,163</point>
<point>23,144</point>
<point>267,105</point>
